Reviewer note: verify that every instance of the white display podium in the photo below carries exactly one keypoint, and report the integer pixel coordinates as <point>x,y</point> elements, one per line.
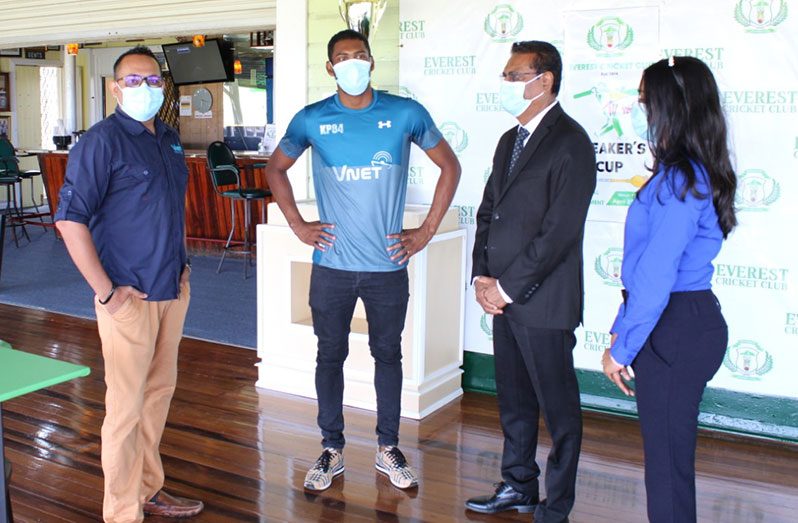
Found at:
<point>432,342</point>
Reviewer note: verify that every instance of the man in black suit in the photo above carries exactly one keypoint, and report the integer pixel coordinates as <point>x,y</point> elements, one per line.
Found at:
<point>527,271</point>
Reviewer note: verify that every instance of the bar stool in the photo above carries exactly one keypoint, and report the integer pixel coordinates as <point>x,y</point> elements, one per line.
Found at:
<point>12,213</point>
<point>9,167</point>
<point>226,178</point>
<point>30,174</point>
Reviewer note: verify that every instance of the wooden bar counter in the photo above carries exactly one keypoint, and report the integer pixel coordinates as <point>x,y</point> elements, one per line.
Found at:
<point>208,217</point>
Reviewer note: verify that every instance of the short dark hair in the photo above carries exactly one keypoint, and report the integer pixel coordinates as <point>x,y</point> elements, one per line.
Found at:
<point>346,34</point>
<point>545,59</point>
<point>138,50</point>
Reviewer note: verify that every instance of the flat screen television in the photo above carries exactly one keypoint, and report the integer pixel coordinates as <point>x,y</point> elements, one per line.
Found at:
<point>200,65</point>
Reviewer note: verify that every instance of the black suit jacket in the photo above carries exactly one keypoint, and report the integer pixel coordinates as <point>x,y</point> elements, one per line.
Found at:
<point>531,222</point>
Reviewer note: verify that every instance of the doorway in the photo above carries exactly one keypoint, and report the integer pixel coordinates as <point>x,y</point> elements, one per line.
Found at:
<point>38,109</point>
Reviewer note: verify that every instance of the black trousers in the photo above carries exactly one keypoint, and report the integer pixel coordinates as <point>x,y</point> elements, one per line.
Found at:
<point>681,355</point>
<point>535,375</point>
<point>333,294</point>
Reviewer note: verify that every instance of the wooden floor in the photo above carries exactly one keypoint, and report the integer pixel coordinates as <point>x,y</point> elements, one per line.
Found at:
<point>245,451</point>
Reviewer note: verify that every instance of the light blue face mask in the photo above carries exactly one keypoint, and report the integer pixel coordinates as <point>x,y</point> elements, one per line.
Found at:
<point>511,96</point>
<point>640,120</point>
<point>143,102</point>
<point>353,76</point>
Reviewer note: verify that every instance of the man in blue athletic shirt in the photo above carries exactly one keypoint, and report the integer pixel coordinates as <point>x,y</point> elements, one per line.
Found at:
<point>361,143</point>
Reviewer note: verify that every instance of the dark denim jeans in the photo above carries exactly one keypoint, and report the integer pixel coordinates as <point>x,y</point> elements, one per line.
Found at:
<point>333,294</point>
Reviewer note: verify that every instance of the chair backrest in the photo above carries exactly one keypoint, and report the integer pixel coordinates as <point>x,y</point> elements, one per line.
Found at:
<point>9,164</point>
<point>222,165</point>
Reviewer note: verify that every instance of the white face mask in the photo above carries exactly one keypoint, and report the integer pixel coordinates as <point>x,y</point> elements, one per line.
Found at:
<point>141,103</point>
<point>511,96</point>
<point>353,75</point>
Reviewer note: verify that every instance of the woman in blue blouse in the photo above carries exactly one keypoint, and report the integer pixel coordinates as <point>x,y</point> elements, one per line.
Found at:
<point>669,327</point>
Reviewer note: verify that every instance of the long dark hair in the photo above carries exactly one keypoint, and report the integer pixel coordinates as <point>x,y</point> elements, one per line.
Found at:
<point>686,122</point>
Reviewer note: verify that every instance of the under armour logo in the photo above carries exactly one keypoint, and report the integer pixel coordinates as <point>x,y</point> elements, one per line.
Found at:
<point>386,123</point>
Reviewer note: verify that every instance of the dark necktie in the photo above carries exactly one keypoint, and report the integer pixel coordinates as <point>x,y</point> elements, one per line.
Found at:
<point>518,147</point>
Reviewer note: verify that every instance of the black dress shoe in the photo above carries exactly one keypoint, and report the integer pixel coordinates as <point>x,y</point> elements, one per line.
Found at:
<point>505,498</point>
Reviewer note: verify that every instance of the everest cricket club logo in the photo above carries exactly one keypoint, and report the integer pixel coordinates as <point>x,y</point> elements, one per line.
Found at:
<point>747,360</point>
<point>610,36</point>
<point>756,191</point>
<point>760,16</point>
<point>712,56</point>
<point>503,23</point>
<point>608,266</point>
<point>441,65</point>
<point>488,102</point>
<point>415,175</point>
<point>486,324</point>
<point>791,324</point>
<point>412,29</point>
<point>596,341</point>
<point>752,276</point>
<point>455,135</point>
<point>467,214</point>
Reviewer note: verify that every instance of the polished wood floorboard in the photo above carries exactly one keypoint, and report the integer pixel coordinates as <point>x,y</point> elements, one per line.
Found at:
<point>245,451</point>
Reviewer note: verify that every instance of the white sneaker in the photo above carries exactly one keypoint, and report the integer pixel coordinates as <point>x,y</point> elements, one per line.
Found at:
<point>329,465</point>
<point>393,463</point>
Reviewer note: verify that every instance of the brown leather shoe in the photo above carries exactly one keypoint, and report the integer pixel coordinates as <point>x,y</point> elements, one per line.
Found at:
<point>169,506</point>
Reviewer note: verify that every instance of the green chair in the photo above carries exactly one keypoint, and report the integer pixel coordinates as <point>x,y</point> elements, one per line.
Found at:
<point>226,178</point>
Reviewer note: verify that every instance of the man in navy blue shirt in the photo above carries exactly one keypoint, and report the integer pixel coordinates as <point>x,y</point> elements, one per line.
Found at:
<point>121,214</point>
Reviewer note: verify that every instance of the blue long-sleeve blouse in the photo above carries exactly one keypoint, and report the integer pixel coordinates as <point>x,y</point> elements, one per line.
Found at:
<point>669,245</point>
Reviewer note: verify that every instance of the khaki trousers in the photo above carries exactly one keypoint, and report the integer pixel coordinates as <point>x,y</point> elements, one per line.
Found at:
<point>139,344</point>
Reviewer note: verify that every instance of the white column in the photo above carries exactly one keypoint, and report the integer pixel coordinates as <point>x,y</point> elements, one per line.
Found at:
<point>291,78</point>
<point>70,109</point>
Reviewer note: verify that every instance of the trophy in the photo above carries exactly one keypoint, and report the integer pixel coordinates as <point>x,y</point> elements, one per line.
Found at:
<point>362,15</point>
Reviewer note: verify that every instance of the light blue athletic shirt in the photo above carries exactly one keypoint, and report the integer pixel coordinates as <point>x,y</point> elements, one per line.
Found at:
<point>360,161</point>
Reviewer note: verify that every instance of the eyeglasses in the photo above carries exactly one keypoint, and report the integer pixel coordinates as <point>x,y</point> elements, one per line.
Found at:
<point>515,76</point>
<point>134,80</point>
